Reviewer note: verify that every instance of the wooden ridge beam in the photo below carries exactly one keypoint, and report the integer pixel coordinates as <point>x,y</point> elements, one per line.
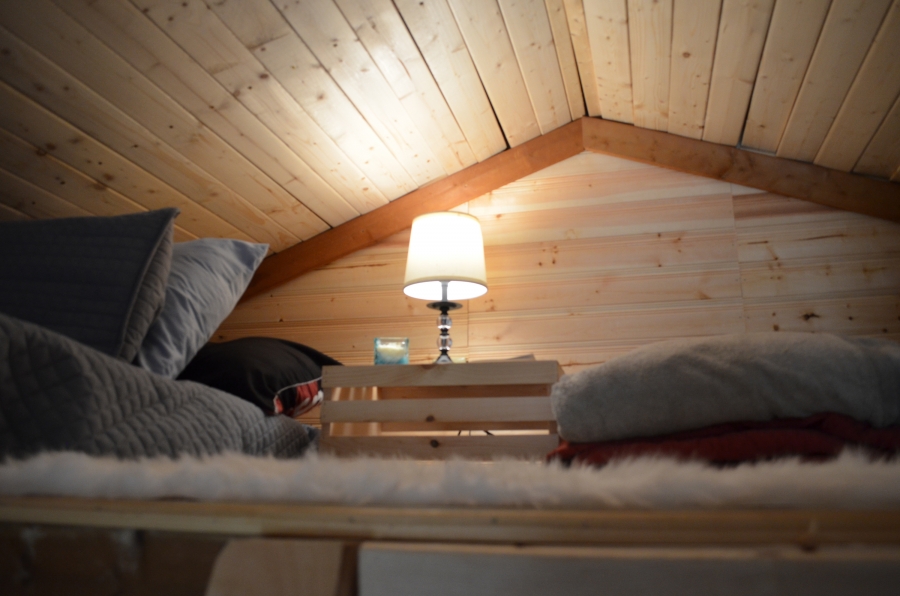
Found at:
<point>456,189</point>
<point>842,190</point>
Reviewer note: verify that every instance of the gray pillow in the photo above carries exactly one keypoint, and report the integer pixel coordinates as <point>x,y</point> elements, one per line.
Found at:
<point>207,279</point>
<point>687,384</point>
<point>99,280</point>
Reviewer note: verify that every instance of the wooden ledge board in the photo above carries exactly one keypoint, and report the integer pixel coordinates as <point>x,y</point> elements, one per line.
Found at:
<point>512,372</point>
<point>807,528</point>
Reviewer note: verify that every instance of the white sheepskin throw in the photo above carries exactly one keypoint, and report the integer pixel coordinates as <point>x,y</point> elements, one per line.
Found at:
<point>851,481</point>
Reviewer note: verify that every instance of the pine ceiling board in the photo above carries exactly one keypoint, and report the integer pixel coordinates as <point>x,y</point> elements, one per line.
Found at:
<point>322,27</point>
<point>742,33</point>
<point>846,36</point>
<point>562,39</point>
<point>63,41</point>
<point>882,156</point>
<point>437,36</point>
<point>792,37</point>
<point>48,173</point>
<point>532,39</point>
<point>200,33</point>
<point>58,138</point>
<point>650,38</point>
<point>581,45</point>
<point>874,90</point>
<point>140,42</point>
<point>37,78</point>
<point>9,214</point>
<point>384,34</point>
<point>607,27</point>
<point>695,26</point>
<point>33,200</point>
<point>370,175</point>
<point>487,39</point>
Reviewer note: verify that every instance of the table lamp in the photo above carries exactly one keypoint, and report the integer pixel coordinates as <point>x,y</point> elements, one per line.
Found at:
<point>445,263</point>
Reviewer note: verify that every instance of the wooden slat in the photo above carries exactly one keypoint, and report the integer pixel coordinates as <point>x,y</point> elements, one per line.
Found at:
<point>793,179</point>
<point>447,193</point>
<point>437,36</point>
<point>565,53</point>
<point>43,82</point>
<point>650,39</point>
<point>792,37</point>
<point>821,277</point>
<point>62,40</point>
<point>462,409</point>
<point>486,525</point>
<point>527,329</point>
<point>328,35</point>
<point>607,27</point>
<point>83,153</point>
<point>122,27</point>
<point>846,36</point>
<point>34,201</point>
<point>874,90</point>
<point>882,156</point>
<point>839,240</point>
<point>532,39</point>
<point>194,27</point>
<point>487,39</point>
<point>484,448</point>
<point>850,315</point>
<point>695,26</point>
<point>742,33</point>
<point>446,375</point>
<point>581,45</point>
<point>385,36</point>
<point>7,213</point>
<point>516,390</point>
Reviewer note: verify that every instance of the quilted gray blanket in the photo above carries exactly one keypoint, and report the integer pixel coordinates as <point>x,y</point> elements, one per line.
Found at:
<point>58,394</point>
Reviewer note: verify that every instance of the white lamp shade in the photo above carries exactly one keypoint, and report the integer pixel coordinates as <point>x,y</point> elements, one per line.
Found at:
<point>445,247</point>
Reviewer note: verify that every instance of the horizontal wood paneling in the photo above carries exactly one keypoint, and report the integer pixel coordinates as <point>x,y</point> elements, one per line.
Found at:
<point>596,256</point>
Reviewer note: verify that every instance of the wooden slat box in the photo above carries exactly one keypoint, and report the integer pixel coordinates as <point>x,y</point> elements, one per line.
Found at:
<point>437,411</point>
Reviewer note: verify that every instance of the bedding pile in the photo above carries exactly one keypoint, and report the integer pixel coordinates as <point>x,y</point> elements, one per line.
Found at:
<point>98,315</point>
<point>734,398</point>
<point>852,481</point>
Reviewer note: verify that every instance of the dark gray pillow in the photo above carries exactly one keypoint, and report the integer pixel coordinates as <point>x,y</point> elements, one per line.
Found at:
<point>98,280</point>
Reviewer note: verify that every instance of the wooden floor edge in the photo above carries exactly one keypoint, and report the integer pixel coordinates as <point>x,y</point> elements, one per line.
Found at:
<point>807,528</point>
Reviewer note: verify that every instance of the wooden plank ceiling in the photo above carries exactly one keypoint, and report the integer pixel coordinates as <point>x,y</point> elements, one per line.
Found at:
<point>277,121</point>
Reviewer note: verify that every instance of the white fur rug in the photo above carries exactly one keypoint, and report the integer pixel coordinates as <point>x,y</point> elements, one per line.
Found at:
<point>851,482</point>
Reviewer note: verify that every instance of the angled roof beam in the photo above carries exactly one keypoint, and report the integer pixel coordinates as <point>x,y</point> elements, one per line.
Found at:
<point>851,192</point>
<point>449,192</point>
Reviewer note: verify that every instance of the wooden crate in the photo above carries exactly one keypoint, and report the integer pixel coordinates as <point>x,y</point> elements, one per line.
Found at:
<point>479,410</point>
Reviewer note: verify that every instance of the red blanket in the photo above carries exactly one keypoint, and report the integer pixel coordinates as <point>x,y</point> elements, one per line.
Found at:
<point>817,437</point>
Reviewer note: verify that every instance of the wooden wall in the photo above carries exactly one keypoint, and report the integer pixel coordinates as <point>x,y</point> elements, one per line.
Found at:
<point>597,255</point>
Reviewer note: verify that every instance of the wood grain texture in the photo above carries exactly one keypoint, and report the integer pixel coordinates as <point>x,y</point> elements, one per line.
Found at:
<point>481,525</point>
<point>581,45</point>
<point>792,179</point>
<point>438,37</point>
<point>487,37</point>
<point>793,33</point>
<point>874,90</point>
<point>565,53</point>
<point>695,27</point>
<point>848,32</point>
<point>607,27</point>
<point>882,155</point>
<point>742,32</point>
<point>441,195</point>
<point>650,39</point>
